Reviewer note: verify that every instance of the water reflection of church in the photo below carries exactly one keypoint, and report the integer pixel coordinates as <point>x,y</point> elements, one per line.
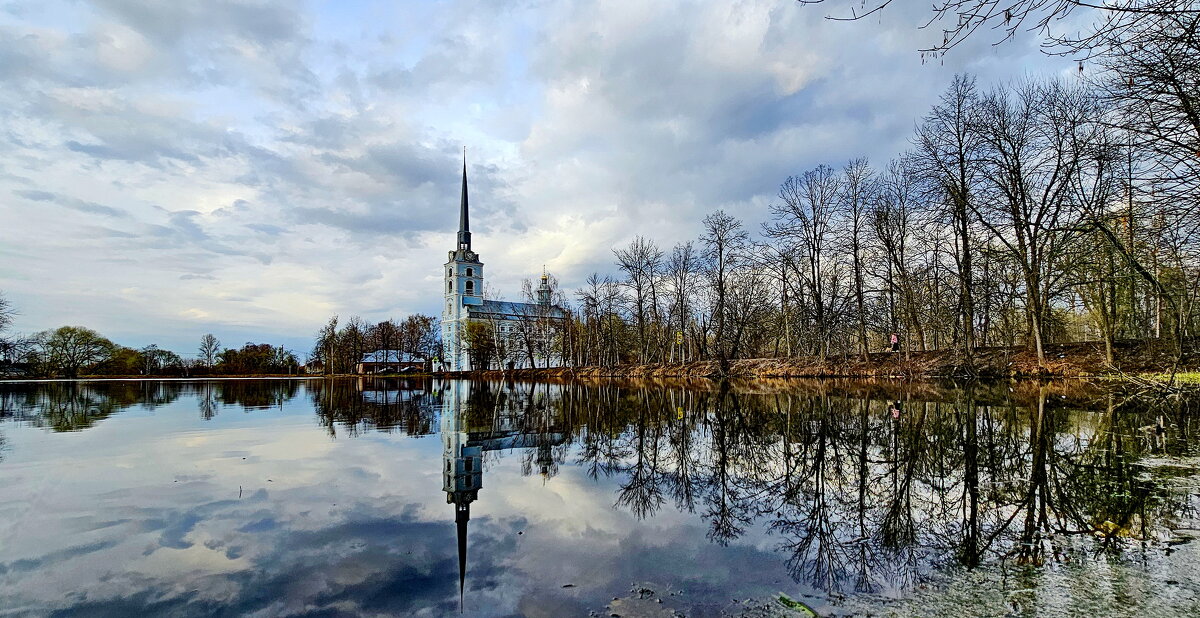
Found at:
<point>481,417</point>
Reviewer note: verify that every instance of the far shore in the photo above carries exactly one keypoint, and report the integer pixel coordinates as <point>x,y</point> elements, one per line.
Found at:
<point>1132,360</point>
<point>1135,361</point>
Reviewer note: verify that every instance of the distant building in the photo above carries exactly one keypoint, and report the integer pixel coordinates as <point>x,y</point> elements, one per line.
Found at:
<point>520,331</point>
<point>391,361</point>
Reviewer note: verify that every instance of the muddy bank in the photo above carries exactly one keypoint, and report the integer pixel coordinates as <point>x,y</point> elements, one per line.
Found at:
<point>1064,360</point>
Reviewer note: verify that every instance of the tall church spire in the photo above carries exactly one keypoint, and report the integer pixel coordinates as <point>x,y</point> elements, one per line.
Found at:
<point>464,224</point>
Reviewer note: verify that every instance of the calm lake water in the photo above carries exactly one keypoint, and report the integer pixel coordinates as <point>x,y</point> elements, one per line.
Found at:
<point>384,497</point>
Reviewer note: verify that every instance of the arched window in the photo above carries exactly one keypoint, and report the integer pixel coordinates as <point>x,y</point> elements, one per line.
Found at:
<point>449,286</point>
<point>470,272</point>
<point>470,287</point>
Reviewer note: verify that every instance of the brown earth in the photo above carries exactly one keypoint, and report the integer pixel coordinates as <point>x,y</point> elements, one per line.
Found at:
<point>1063,360</point>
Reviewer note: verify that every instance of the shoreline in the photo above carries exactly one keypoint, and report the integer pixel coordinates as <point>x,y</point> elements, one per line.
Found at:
<point>1133,361</point>
<point>1063,361</point>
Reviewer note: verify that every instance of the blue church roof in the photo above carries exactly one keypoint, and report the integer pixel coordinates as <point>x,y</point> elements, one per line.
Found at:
<point>510,310</point>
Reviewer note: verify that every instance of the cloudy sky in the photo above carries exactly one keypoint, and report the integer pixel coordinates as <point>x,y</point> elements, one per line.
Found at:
<point>251,167</point>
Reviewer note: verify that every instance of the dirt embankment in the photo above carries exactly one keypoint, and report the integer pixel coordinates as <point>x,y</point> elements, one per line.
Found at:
<point>1063,360</point>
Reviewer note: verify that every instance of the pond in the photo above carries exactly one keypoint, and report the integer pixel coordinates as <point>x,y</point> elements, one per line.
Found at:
<point>427,497</point>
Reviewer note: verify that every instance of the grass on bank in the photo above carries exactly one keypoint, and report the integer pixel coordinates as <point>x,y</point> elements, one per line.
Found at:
<point>1183,377</point>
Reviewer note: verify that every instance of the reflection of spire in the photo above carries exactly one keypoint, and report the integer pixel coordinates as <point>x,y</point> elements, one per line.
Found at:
<point>462,474</point>
<point>462,514</point>
<point>545,458</point>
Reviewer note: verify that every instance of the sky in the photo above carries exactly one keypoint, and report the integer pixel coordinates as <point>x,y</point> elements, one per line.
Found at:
<point>249,168</point>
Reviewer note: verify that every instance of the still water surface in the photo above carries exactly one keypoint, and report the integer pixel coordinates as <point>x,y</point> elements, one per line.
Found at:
<point>345,497</point>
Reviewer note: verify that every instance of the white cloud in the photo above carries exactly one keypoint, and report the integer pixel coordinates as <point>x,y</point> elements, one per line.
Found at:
<point>251,168</point>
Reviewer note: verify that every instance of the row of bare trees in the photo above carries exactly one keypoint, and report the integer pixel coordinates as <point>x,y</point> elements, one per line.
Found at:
<point>338,350</point>
<point>1035,212</point>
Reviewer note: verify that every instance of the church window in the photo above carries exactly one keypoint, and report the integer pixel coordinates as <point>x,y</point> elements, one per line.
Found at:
<point>470,287</point>
<point>449,286</point>
<point>470,272</point>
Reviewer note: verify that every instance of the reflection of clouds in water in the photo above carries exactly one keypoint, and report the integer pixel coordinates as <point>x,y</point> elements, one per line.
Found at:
<point>390,565</point>
<point>273,551</point>
<point>142,513</point>
<point>355,526</point>
<point>569,501</point>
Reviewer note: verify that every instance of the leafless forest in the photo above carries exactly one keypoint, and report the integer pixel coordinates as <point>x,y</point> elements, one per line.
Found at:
<point>1037,211</point>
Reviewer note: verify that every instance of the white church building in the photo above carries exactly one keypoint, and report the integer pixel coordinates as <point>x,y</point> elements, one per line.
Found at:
<point>521,332</point>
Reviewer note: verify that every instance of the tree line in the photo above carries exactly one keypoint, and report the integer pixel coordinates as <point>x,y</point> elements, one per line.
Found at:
<point>1039,211</point>
<point>73,351</point>
<point>1034,212</point>
<point>339,349</point>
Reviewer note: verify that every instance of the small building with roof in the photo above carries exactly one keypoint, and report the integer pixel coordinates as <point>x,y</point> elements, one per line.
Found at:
<point>391,361</point>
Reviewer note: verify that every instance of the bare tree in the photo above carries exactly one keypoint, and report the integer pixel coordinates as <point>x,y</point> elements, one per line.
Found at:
<point>641,262</point>
<point>893,216</point>
<point>1152,81</point>
<point>7,313</point>
<point>776,257</point>
<point>1029,169</point>
<point>857,192</point>
<point>959,20</point>
<point>806,216</point>
<point>419,334</point>
<point>210,346</point>
<point>949,156</point>
<point>600,298</point>
<point>725,245</point>
<point>353,343</point>
<point>682,271</point>
<point>479,338</point>
<point>385,341</point>
<point>326,347</point>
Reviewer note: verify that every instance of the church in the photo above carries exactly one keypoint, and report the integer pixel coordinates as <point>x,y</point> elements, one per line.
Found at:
<point>482,333</point>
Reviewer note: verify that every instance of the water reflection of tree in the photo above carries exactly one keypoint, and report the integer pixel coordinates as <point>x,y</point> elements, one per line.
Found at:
<point>206,396</point>
<point>855,496</point>
<point>254,394</point>
<point>642,491</point>
<point>389,405</point>
<point>859,498</point>
<point>74,406</point>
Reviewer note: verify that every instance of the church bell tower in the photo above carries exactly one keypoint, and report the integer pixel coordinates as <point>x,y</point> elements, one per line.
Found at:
<point>463,287</point>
